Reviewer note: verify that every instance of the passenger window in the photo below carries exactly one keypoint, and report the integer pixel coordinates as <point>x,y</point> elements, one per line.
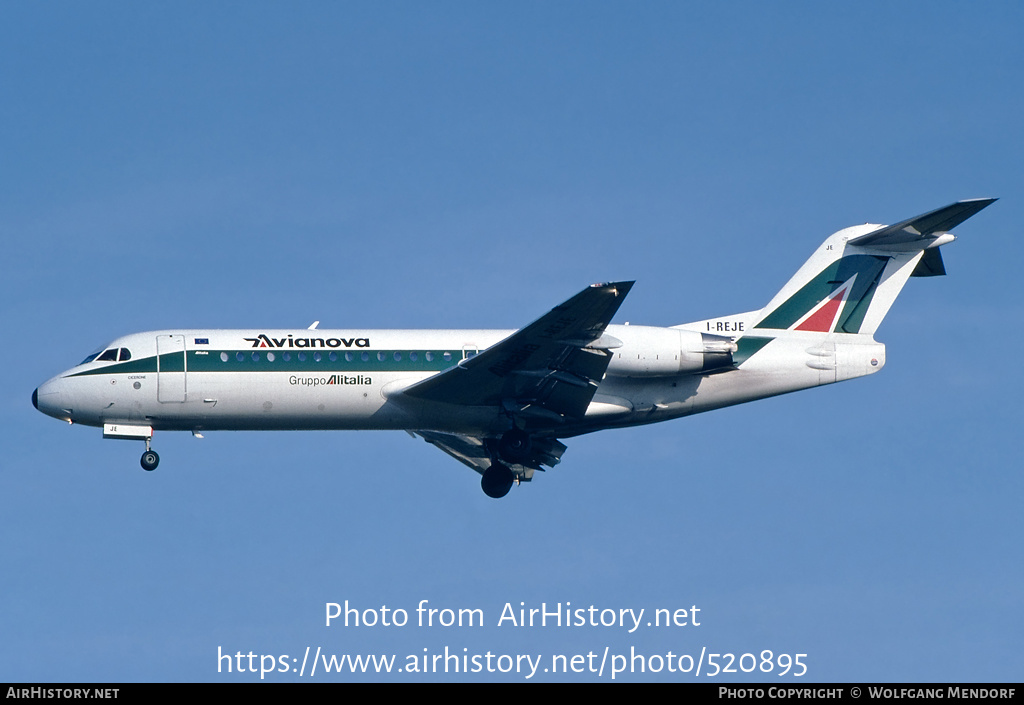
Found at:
<point>108,356</point>
<point>126,354</point>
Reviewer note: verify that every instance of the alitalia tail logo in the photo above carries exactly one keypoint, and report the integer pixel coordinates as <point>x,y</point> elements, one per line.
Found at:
<point>836,300</point>
<point>823,318</point>
<point>265,341</point>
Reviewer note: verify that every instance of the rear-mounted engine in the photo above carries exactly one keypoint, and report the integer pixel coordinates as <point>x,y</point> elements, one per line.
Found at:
<point>663,352</point>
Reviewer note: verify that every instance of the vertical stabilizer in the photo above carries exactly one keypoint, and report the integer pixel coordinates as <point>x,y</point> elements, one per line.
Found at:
<point>851,281</point>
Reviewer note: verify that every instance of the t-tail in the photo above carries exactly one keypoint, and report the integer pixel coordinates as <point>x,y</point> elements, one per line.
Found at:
<point>842,293</point>
<point>848,285</point>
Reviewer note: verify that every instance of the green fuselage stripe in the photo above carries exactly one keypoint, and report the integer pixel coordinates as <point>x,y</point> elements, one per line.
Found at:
<point>747,347</point>
<point>285,361</point>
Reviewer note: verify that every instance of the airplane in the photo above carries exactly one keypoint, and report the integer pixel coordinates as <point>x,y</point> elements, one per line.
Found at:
<point>499,401</point>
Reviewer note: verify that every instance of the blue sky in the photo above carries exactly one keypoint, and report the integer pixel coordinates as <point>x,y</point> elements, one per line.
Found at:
<point>472,165</point>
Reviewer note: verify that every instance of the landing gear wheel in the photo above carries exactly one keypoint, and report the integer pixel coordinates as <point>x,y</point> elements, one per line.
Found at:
<point>497,480</point>
<point>150,460</point>
<point>515,445</point>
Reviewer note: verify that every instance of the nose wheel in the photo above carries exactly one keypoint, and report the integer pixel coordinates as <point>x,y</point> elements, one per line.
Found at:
<point>149,459</point>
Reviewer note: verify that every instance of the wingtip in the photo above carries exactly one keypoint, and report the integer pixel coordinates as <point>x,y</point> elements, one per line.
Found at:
<point>623,285</point>
<point>971,206</point>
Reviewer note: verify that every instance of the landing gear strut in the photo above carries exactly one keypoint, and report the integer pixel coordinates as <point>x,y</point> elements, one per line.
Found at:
<point>515,445</point>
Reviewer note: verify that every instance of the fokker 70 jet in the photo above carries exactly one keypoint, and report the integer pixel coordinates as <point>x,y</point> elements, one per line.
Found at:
<point>500,400</point>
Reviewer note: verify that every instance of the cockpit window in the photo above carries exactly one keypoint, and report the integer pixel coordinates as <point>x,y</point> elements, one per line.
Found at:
<point>126,354</point>
<point>108,356</point>
<point>90,358</point>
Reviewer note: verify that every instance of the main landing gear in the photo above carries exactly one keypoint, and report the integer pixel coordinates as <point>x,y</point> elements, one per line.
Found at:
<point>514,447</point>
<point>497,480</point>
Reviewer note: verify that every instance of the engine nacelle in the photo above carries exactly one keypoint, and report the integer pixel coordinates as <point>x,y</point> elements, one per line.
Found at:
<point>647,351</point>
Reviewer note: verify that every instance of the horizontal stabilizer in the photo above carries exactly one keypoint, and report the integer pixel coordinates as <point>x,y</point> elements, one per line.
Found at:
<point>923,227</point>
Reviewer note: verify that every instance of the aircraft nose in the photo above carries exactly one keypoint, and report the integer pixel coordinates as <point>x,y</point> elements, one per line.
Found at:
<point>51,399</point>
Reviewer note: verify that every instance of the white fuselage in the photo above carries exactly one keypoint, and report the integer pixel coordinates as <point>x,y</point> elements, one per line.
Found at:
<point>200,380</point>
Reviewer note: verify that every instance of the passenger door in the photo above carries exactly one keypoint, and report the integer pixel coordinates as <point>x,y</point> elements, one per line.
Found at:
<point>170,368</point>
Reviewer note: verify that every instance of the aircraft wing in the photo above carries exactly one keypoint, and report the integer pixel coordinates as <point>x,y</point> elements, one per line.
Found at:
<point>550,369</point>
<point>923,227</point>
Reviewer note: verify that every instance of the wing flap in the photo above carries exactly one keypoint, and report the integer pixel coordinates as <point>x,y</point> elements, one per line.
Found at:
<point>473,451</point>
<point>468,450</point>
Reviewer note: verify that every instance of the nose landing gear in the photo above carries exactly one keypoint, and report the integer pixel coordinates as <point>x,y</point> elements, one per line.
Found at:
<point>135,433</point>
<point>149,459</point>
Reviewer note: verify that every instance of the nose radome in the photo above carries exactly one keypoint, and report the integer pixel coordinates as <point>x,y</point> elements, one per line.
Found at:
<point>51,399</point>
